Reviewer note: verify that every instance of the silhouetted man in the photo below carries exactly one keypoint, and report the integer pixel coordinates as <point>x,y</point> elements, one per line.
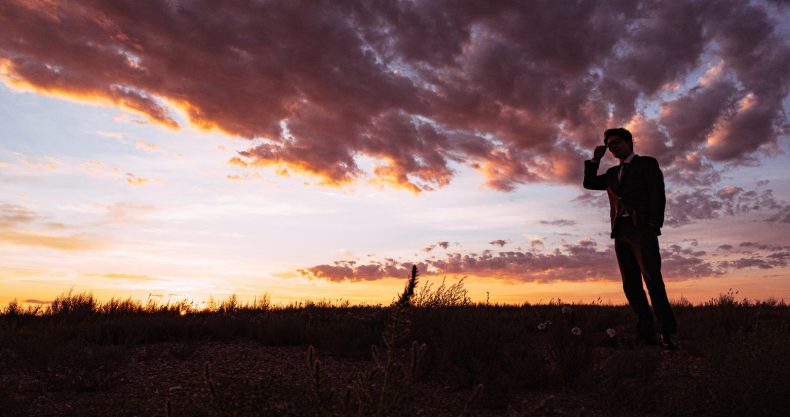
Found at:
<point>636,200</point>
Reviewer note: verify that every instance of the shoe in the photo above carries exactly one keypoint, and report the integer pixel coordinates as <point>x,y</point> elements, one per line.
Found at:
<point>666,342</point>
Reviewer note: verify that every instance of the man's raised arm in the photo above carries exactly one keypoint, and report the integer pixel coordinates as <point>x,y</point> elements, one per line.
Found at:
<point>593,181</point>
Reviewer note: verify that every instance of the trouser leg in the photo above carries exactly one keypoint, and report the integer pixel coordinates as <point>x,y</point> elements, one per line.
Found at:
<point>632,286</point>
<point>649,259</point>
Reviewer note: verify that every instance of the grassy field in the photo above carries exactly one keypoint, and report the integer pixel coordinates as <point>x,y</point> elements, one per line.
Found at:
<point>432,353</point>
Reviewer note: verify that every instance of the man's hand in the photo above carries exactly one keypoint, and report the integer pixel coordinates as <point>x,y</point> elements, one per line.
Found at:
<point>598,153</point>
<point>649,229</point>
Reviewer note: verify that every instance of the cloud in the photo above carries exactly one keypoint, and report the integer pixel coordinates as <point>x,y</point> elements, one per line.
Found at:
<point>46,163</point>
<point>126,212</point>
<point>683,263</point>
<point>35,301</point>
<point>12,215</point>
<point>98,168</point>
<point>758,255</point>
<point>136,181</point>
<point>246,176</point>
<point>42,240</point>
<point>15,219</point>
<point>128,118</point>
<point>421,86</point>
<point>559,222</point>
<point>684,207</point>
<point>112,135</point>
<point>124,276</point>
<point>498,242</point>
<point>580,261</point>
<point>440,244</point>
<point>781,216</point>
<point>148,147</point>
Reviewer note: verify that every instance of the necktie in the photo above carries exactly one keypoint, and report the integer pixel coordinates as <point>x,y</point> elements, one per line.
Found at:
<point>621,212</point>
<point>623,166</point>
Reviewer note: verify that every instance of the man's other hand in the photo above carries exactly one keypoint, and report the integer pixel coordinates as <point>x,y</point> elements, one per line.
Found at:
<point>650,229</point>
<point>598,153</point>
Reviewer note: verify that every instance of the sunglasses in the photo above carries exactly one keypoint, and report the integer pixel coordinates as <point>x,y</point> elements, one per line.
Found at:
<point>613,142</point>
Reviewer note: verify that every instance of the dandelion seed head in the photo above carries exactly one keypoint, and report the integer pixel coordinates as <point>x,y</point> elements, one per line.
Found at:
<point>611,332</point>
<point>576,331</point>
<point>541,326</point>
<point>567,310</point>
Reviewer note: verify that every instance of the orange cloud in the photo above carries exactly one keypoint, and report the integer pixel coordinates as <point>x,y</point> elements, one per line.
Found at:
<point>63,243</point>
<point>12,215</point>
<point>148,147</point>
<point>47,163</point>
<point>123,276</point>
<point>247,176</point>
<point>136,181</point>
<point>98,168</point>
<point>125,212</point>
<point>126,98</point>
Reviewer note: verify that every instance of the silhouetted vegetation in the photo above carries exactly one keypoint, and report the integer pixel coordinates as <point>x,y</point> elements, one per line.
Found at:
<point>432,352</point>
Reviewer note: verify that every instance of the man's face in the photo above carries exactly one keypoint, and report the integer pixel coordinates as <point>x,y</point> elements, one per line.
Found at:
<point>618,147</point>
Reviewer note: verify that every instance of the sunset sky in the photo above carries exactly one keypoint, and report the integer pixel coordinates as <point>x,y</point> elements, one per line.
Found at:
<point>176,150</point>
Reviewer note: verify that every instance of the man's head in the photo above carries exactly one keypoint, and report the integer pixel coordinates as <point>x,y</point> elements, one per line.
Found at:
<point>619,141</point>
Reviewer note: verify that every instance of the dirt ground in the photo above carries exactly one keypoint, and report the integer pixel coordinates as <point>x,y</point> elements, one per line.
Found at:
<point>248,379</point>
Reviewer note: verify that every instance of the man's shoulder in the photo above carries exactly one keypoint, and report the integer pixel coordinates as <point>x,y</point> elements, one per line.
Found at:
<point>647,160</point>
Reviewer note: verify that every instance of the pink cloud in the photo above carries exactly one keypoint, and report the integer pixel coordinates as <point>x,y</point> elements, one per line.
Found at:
<point>420,86</point>
<point>13,215</point>
<point>684,207</point>
<point>580,261</point>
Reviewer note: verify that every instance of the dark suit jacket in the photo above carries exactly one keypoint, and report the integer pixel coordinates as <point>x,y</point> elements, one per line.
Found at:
<point>641,191</point>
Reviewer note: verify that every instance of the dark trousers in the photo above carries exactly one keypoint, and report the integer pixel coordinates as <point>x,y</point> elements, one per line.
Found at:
<point>638,257</point>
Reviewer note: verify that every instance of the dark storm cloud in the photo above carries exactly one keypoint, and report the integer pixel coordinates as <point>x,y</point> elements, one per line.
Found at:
<point>517,90</point>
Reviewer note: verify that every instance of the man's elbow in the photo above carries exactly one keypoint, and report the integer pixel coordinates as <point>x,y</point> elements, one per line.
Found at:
<point>592,185</point>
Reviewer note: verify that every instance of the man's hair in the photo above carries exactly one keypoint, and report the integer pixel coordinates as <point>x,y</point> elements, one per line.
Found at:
<point>620,132</point>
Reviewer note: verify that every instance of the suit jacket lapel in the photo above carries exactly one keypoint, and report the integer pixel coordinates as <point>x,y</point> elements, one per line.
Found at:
<point>629,169</point>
